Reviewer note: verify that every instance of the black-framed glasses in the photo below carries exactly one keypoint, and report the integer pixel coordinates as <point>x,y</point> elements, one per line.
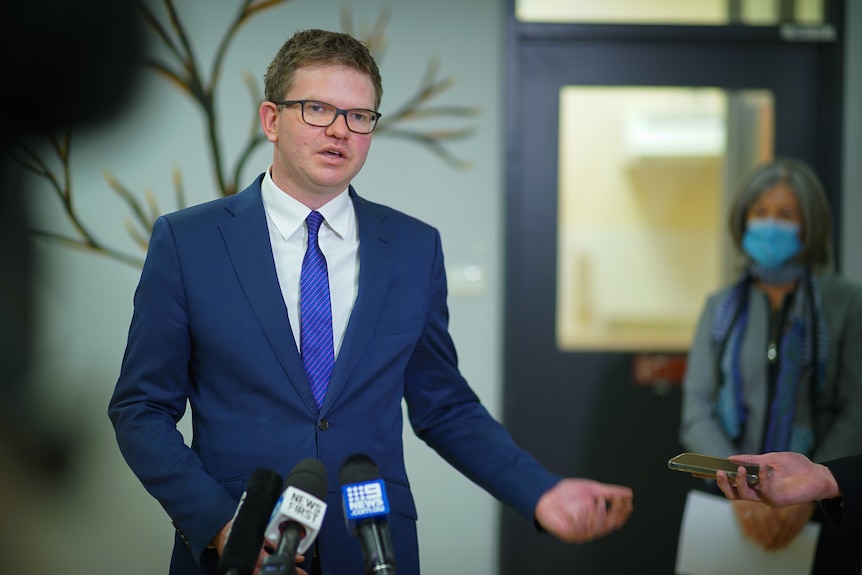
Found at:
<point>321,114</point>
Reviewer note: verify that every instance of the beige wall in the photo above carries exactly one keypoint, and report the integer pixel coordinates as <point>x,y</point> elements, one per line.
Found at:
<point>101,519</point>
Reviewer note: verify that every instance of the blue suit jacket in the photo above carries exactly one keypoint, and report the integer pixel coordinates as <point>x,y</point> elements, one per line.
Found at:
<point>210,328</point>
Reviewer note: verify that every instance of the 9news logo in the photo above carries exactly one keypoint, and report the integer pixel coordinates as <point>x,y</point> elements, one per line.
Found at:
<point>365,499</point>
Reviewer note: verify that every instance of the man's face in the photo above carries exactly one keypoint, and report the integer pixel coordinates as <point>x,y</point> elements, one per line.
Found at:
<point>313,164</point>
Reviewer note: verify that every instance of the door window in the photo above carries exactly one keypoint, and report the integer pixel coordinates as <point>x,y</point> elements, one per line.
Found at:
<point>701,12</point>
<point>646,175</point>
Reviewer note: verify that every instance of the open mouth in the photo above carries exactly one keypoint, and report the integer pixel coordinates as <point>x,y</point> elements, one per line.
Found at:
<point>333,153</point>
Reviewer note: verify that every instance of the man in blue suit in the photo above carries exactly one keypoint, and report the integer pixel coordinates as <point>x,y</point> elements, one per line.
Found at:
<point>217,324</point>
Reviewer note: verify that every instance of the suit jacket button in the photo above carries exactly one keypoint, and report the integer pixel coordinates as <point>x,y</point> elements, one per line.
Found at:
<point>183,537</point>
<point>323,425</point>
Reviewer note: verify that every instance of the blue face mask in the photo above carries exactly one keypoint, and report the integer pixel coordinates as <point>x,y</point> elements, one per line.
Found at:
<point>771,242</point>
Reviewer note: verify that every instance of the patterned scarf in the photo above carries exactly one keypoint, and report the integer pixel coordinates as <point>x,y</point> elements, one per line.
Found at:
<point>803,349</point>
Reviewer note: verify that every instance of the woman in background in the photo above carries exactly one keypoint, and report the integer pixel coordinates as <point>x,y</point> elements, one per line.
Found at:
<point>776,362</point>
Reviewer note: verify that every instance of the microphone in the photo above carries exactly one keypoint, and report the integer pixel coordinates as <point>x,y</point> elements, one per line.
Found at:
<point>245,536</point>
<point>365,509</point>
<point>297,517</point>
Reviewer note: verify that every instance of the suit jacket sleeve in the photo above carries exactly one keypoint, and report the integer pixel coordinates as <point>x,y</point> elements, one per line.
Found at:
<point>449,417</point>
<point>151,396</point>
<point>847,510</point>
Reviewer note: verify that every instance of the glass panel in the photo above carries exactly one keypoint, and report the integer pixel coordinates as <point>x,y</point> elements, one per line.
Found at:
<point>642,208</point>
<point>716,12</point>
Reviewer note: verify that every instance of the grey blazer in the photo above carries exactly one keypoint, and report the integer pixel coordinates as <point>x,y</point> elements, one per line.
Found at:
<point>839,408</point>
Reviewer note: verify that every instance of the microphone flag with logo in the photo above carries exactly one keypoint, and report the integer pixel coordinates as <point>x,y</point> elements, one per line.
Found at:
<point>298,515</point>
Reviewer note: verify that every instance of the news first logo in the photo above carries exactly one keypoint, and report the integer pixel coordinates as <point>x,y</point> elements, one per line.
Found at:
<point>365,499</point>
<point>303,508</point>
<point>297,506</point>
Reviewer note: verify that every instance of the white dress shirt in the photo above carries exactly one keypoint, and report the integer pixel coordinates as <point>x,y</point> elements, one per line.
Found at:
<point>338,239</point>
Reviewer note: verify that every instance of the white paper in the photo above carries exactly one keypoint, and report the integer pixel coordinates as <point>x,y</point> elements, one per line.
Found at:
<point>711,543</point>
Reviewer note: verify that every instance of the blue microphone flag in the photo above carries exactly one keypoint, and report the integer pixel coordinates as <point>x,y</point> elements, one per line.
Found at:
<point>363,500</point>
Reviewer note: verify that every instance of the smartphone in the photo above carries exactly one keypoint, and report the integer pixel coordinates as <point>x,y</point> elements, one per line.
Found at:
<point>706,465</point>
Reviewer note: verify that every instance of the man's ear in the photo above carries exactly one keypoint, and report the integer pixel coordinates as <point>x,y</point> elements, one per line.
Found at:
<point>269,117</point>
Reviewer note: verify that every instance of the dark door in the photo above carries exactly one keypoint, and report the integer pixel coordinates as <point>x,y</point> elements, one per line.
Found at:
<point>581,413</point>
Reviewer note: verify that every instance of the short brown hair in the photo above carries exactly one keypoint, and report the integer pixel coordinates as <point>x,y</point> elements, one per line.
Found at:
<point>310,47</point>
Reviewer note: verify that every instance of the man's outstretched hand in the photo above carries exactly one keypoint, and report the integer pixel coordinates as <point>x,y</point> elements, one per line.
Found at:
<point>580,510</point>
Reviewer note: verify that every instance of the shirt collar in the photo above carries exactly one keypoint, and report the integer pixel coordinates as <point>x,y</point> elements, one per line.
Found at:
<point>288,214</point>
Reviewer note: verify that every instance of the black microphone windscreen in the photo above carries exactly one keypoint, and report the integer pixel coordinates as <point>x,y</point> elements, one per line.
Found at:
<point>245,539</point>
<point>309,475</point>
<point>357,468</point>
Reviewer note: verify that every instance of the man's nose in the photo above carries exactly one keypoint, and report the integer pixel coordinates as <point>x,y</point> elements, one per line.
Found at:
<point>338,127</point>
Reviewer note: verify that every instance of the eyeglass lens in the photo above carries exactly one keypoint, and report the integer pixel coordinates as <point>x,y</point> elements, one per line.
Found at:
<point>323,114</point>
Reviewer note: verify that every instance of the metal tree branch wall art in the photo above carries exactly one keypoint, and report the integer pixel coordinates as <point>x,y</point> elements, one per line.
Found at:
<point>181,69</point>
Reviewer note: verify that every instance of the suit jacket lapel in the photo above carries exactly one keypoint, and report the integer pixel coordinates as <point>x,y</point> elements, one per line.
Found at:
<point>247,239</point>
<point>375,267</point>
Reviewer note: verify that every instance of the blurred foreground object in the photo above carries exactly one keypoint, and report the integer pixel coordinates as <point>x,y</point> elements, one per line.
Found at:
<point>68,65</point>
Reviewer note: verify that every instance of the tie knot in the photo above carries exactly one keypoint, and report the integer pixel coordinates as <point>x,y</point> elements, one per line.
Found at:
<point>313,222</point>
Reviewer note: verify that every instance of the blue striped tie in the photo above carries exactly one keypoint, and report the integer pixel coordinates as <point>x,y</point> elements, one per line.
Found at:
<point>318,355</point>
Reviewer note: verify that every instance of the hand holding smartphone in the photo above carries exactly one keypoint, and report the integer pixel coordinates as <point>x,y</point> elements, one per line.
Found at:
<point>706,466</point>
